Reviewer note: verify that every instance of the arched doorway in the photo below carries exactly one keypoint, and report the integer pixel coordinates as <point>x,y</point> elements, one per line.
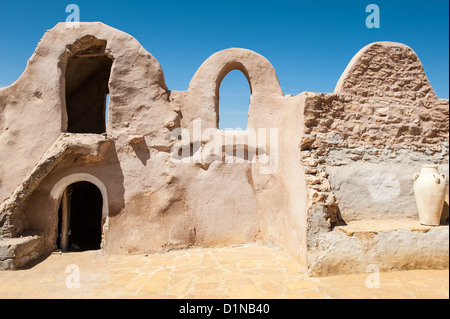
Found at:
<point>80,217</point>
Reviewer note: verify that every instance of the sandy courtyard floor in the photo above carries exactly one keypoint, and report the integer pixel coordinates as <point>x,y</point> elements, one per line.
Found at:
<point>242,272</point>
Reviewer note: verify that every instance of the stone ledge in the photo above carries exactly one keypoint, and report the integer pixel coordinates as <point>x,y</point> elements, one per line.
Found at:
<point>17,252</point>
<point>375,226</point>
<point>395,244</point>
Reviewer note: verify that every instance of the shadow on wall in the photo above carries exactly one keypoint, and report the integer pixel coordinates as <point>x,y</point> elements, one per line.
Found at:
<point>141,149</point>
<point>101,170</point>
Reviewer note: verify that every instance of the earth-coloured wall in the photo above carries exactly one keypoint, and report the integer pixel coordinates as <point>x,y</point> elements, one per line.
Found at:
<point>170,179</point>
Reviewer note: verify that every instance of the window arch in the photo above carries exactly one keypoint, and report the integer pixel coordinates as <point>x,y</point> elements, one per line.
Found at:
<point>234,101</point>
<point>205,84</point>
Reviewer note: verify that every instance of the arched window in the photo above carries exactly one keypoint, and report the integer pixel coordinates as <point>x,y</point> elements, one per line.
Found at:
<point>234,101</point>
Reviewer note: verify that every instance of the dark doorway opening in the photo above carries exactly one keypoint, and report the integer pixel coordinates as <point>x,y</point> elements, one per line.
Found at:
<point>87,78</point>
<point>80,218</point>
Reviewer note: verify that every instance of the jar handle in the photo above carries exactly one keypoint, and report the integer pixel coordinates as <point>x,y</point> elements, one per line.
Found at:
<point>437,179</point>
<point>416,176</point>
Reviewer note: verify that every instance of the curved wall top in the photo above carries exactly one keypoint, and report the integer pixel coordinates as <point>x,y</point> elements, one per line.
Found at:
<point>259,72</point>
<point>131,59</point>
<point>386,70</point>
<point>32,109</point>
<point>205,84</point>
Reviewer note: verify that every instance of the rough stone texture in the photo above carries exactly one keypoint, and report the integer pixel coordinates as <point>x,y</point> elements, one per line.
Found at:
<point>386,70</point>
<point>367,138</point>
<point>361,147</point>
<point>17,252</point>
<point>360,244</point>
<point>350,141</point>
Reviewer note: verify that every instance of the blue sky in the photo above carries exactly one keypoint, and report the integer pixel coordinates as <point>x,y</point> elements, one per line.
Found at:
<point>308,42</point>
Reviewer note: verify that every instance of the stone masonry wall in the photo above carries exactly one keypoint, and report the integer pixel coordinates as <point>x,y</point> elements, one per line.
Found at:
<point>386,70</point>
<point>363,143</point>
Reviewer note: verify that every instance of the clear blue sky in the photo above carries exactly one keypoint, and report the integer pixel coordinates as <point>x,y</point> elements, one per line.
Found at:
<point>308,42</point>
